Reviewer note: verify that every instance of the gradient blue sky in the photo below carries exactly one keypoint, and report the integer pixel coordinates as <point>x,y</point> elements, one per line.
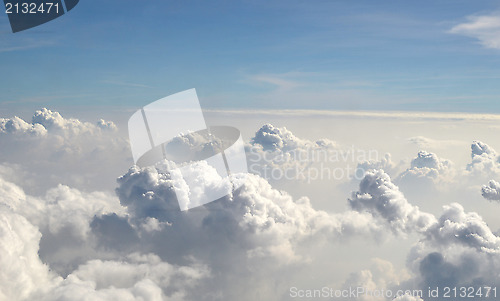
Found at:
<point>335,55</point>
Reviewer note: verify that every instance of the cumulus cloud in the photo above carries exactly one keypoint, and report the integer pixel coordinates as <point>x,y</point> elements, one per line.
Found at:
<point>455,226</point>
<point>135,276</point>
<point>137,245</point>
<point>52,149</point>
<point>380,276</point>
<point>272,138</point>
<point>427,168</point>
<point>279,148</point>
<point>457,248</point>
<point>386,164</point>
<point>491,191</point>
<point>22,272</point>
<point>267,222</point>
<point>484,28</point>
<point>379,196</point>
<point>17,126</point>
<point>484,159</point>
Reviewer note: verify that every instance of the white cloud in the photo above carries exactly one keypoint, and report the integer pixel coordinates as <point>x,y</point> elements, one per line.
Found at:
<point>485,161</point>
<point>491,191</point>
<point>429,170</point>
<point>485,28</point>
<point>52,149</point>
<point>22,273</point>
<point>17,126</point>
<point>135,277</point>
<point>379,196</point>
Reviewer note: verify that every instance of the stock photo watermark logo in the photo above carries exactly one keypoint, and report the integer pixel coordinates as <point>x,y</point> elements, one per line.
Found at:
<point>204,163</point>
<point>312,163</point>
<point>26,14</point>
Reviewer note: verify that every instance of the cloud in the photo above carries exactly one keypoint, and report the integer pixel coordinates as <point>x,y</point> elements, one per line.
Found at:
<point>491,191</point>
<point>17,126</point>
<point>485,161</point>
<point>455,226</point>
<point>271,138</point>
<point>427,170</point>
<point>22,271</point>
<point>267,222</point>
<point>135,277</point>
<point>386,164</point>
<point>407,297</point>
<point>51,150</point>
<point>380,197</point>
<point>380,276</point>
<point>457,248</point>
<point>485,28</point>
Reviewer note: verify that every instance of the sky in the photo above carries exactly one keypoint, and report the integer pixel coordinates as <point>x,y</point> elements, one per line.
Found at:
<point>370,130</point>
<point>333,55</point>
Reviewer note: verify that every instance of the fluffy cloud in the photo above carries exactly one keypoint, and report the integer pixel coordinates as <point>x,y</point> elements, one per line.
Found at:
<point>380,276</point>
<point>459,250</point>
<point>53,121</point>
<point>455,226</point>
<point>491,191</point>
<point>135,277</point>
<point>379,196</point>
<point>456,249</point>
<point>485,161</point>
<point>386,164</point>
<point>427,169</point>
<point>17,126</point>
<point>485,28</point>
<point>267,222</point>
<point>22,272</point>
<point>51,150</point>
<point>272,138</point>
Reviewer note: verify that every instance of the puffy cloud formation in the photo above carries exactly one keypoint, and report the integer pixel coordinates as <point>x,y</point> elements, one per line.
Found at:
<point>386,164</point>
<point>491,191</point>
<point>485,160</point>
<point>456,249</point>
<point>379,196</point>
<point>61,208</point>
<point>68,244</point>
<point>266,221</point>
<point>272,138</point>
<point>136,276</point>
<point>51,150</point>
<point>380,276</point>
<point>54,121</point>
<point>17,126</point>
<point>427,168</point>
<point>22,273</point>
<point>455,226</point>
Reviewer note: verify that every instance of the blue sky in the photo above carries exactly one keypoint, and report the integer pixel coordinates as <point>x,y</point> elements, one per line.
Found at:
<point>334,55</point>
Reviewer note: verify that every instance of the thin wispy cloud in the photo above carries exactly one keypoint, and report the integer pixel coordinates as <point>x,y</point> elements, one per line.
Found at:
<point>485,28</point>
